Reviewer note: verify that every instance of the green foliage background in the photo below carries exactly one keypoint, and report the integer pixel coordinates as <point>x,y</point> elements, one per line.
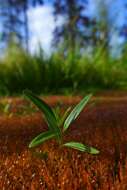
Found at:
<point>59,73</point>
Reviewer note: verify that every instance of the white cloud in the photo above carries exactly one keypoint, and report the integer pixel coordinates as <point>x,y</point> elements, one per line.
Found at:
<point>41,26</point>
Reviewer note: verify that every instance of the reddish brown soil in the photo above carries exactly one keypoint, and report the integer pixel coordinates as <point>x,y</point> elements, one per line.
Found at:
<point>103,124</point>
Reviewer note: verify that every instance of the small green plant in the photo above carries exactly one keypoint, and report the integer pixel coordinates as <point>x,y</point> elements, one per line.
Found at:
<point>58,124</point>
<point>5,107</point>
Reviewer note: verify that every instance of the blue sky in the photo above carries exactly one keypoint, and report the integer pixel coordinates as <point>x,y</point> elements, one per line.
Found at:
<point>42,24</point>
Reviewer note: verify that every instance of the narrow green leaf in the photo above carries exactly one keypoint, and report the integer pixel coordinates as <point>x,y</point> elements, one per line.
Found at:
<point>64,116</point>
<point>82,147</point>
<point>41,138</point>
<point>56,112</point>
<point>43,106</point>
<point>48,113</point>
<point>76,111</point>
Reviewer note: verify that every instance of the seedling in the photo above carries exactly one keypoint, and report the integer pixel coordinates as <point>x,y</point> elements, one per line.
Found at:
<point>5,107</point>
<point>58,124</point>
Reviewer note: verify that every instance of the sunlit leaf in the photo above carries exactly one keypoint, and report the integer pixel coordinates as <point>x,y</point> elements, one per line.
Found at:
<point>81,147</point>
<point>64,116</point>
<point>76,111</point>
<point>48,113</point>
<point>41,138</point>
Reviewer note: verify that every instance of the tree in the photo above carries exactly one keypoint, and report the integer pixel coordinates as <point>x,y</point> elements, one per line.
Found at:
<point>14,18</point>
<point>72,33</point>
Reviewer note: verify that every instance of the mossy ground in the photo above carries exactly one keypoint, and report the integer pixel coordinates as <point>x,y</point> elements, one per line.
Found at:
<point>103,124</point>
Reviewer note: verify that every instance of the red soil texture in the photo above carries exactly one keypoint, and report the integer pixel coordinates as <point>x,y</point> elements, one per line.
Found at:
<point>102,124</point>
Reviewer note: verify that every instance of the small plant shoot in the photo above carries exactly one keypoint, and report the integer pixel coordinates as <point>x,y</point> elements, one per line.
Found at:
<point>58,124</point>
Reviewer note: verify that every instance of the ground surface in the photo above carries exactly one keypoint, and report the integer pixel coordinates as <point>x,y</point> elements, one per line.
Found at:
<point>103,124</point>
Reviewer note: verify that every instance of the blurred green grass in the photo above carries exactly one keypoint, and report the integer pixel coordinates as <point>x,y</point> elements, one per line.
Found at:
<point>60,74</point>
